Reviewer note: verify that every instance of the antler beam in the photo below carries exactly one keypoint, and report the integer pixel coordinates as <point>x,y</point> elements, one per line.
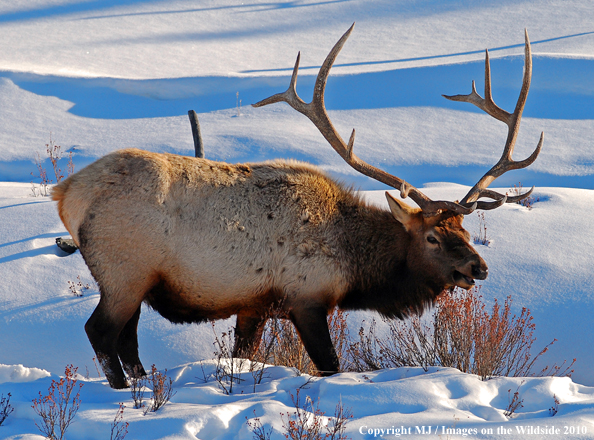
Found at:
<point>316,112</point>
<point>512,120</point>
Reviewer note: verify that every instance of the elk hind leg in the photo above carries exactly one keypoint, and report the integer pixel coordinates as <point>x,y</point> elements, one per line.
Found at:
<point>128,347</point>
<point>103,329</point>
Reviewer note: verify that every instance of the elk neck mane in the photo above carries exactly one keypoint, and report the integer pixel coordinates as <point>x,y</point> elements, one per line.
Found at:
<point>383,278</point>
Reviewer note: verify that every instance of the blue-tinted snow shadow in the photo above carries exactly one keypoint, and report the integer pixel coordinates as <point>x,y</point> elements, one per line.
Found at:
<point>418,175</point>
<point>45,250</point>
<point>70,8</point>
<point>561,89</point>
<point>108,5</point>
<point>36,237</point>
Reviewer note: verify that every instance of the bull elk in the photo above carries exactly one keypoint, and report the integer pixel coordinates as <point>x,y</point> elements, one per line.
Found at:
<point>199,240</point>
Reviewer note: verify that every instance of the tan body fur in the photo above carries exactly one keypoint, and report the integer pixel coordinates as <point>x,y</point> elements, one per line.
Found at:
<point>199,240</point>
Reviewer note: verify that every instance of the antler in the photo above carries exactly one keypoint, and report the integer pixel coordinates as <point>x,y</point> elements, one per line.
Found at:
<point>316,112</point>
<point>512,120</point>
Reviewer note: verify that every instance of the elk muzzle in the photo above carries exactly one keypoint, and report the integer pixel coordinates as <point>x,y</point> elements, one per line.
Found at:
<point>474,269</point>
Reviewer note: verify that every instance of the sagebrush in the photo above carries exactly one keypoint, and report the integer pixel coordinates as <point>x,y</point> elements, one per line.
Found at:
<point>59,406</point>
<point>461,334</point>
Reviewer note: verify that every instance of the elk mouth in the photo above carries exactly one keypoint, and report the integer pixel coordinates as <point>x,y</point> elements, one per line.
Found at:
<point>462,280</point>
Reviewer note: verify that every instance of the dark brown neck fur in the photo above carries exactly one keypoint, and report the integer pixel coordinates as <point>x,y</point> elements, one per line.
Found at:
<point>382,280</point>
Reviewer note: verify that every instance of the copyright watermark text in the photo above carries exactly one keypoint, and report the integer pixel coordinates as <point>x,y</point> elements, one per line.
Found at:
<point>528,430</point>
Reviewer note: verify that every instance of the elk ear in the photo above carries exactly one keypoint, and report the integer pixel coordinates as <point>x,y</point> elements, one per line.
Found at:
<point>401,211</point>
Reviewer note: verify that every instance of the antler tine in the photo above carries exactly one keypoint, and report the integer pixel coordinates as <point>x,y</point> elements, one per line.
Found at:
<point>316,112</point>
<point>290,95</point>
<point>505,163</point>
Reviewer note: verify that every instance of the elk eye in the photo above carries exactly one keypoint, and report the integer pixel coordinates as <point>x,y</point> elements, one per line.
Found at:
<point>432,240</point>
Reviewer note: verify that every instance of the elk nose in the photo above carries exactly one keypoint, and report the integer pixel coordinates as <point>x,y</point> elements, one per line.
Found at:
<point>479,273</point>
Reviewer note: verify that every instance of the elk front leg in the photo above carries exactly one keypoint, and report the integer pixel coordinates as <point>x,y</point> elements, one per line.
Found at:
<point>248,334</point>
<point>312,326</point>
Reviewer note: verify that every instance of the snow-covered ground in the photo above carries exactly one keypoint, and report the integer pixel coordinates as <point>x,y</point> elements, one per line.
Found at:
<point>103,75</point>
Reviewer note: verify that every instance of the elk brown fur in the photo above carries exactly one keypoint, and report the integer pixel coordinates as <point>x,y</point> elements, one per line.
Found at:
<point>199,240</point>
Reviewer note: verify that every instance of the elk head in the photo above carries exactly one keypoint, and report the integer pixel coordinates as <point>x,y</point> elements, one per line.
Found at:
<point>439,246</point>
<point>435,228</point>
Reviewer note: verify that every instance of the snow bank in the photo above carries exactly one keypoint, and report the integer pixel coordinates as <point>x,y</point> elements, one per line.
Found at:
<point>406,402</point>
<point>19,373</point>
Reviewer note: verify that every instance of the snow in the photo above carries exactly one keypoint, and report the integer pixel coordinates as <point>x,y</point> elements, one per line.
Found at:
<point>19,373</point>
<point>103,75</point>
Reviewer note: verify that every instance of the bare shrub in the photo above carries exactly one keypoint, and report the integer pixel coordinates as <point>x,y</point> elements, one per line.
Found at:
<point>119,428</point>
<point>58,408</point>
<point>365,353</point>
<point>137,388</point>
<point>77,288</point>
<point>555,408</point>
<point>337,425</point>
<point>228,368</point>
<point>307,422</point>
<point>43,189</point>
<point>514,402</point>
<point>281,345</point>
<point>498,344</point>
<point>70,164</point>
<point>409,343</point>
<point>54,154</point>
<point>564,369</point>
<point>462,335</point>
<point>162,387</point>
<point>5,408</point>
<point>97,366</point>
<point>258,430</point>
<point>527,202</point>
<point>258,367</point>
<point>481,237</point>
